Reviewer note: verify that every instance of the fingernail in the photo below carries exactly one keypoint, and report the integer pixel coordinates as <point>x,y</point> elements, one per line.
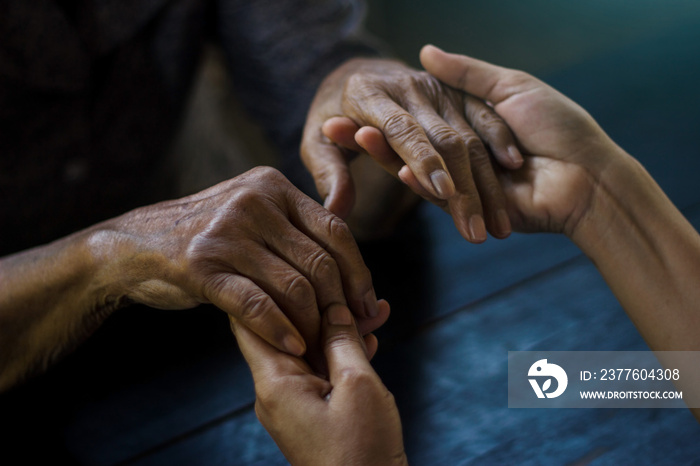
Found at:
<point>444,187</point>
<point>515,156</point>
<point>477,228</point>
<point>339,315</point>
<point>503,222</point>
<point>294,346</point>
<point>370,302</point>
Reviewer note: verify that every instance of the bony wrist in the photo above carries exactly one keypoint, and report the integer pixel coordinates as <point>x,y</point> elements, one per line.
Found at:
<point>111,253</point>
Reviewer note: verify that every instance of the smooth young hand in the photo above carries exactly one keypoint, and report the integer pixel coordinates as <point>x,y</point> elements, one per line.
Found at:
<point>349,418</point>
<point>566,151</point>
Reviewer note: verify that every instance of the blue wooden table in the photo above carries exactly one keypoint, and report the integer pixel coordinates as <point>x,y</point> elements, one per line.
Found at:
<point>155,387</point>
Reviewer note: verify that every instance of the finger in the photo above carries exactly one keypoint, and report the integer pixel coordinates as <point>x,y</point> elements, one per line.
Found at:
<point>473,76</point>
<point>239,297</point>
<point>494,132</point>
<point>343,346</point>
<point>341,130</point>
<point>273,373</point>
<point>263,358</point>
<point>457,150</point>
<point>329,168</point>
<point>332,234</point>
<point>366,326</point>
<point>312,261</point>
<point>407,138</point>
<point>492,199</point>
<point>375,144</point>
<point>302,298</point>
<point>407,176</point>
<point>287,286</point>
<point>372,141</point>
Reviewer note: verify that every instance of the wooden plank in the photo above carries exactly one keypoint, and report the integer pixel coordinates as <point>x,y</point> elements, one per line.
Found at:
<point>451,387</point>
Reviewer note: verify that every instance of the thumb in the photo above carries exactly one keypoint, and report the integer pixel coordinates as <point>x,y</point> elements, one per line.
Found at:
<point>329,168</point>
<point>341,131</point>
<point>473,76</point>
<point>343,346</point>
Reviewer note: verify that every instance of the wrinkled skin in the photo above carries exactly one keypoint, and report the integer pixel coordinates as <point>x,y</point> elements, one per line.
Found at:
<point>254,246</point>
<point>426,134</point>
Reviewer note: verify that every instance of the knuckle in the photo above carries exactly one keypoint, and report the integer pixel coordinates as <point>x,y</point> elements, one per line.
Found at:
<point>401,125</point>
<point>261,179</point>
<point>254,305</point>
<point>299,292</point>
<point>436,90</point>
<point>357,81</point>
<point>415,83</point>
<point>265,172</point>
<point>447,139</point>
<point>339,230</point>
<point>322,265</point>
<point>475,148</point>
<point>249,192</point>
<point>357,379</point>
<point>244,197</point>
<point>358,89</point>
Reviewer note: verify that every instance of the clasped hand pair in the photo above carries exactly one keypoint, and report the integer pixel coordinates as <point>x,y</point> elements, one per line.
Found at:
<point>424,129</point>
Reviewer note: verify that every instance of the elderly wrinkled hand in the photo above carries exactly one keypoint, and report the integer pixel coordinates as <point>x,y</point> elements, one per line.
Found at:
<point>417,129</point>
<point>254,246</point>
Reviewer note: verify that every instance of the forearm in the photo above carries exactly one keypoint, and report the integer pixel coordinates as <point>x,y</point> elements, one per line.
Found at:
<point>51,299</point>
<point>648,253</point>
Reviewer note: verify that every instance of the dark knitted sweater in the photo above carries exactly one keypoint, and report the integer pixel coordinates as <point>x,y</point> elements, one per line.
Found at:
<point>91,92</point>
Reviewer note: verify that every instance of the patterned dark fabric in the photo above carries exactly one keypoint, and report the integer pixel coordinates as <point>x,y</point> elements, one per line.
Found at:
<point>91,92</point>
